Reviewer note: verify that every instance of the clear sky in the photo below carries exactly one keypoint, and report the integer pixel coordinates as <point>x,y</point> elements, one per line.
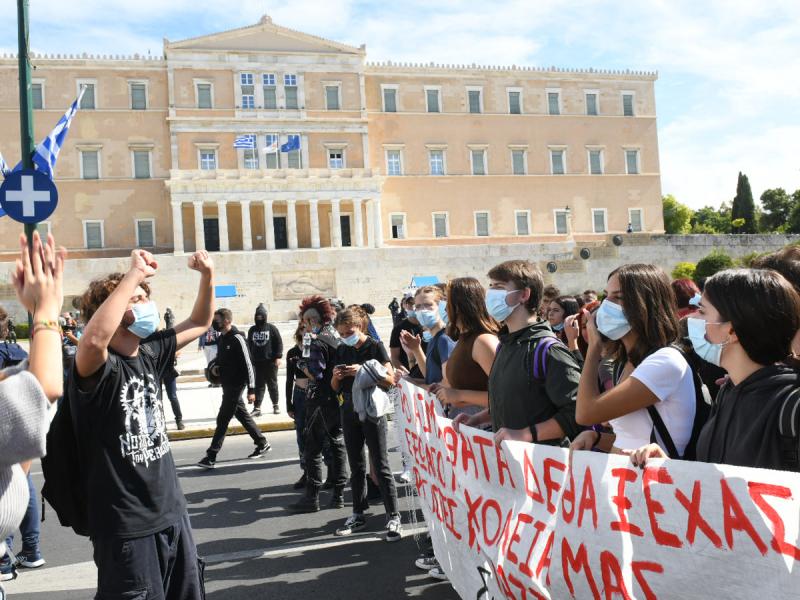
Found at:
<point>728,94</point>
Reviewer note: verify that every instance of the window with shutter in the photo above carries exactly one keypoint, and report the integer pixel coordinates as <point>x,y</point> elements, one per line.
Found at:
<point>561,222</point>
<point>250,158</point>
<point>141,164</point>
<point>389,100</point>
<point>557,162</point>
<point>591,104</point>
<point>94,234</point>
<point>518,162</point>
<point>482,224</point>
<point>87,100</point>
<point>522,223</point>
<point>138,96</point>
<point>599,218</point>
<point>636,219</point>
<point>204,95</point>
<point>595,162</point>
<point>37,96</point>
<point>627,105</point>
<point>145,233</point>
<point>474,101</point>
<point>632,161</point>
<point>514,104</point>
<point>433,101</point>
<point>90,164</point>
<point>440,225</point>
<point>272,160</point>
<point>478,167</point>
<point>332,97</point>
<point>553,107</point>
<point>270,95</point>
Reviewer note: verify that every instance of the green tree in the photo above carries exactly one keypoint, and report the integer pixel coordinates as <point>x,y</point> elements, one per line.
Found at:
<point>793,222</point>
<point>743,206</point>
<point>676,215</point>
<point>715,261</point>
<point>777,205</point>
<point>711,220</point>
<point>684,270</point>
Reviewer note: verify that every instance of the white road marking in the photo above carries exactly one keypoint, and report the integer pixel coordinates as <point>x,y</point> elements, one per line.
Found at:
<point>239,463</point>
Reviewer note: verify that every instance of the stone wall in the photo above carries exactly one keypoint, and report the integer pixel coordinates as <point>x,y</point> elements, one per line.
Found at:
<point>281,278</point>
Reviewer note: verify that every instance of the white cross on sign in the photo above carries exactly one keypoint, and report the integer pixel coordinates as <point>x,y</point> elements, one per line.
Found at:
<point>28,196</point>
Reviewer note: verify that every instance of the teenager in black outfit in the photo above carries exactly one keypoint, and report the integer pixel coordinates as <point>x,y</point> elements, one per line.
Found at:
<point>266,350</point>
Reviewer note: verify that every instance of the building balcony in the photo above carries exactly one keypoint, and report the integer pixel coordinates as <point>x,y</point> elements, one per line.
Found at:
<point>271,174</point>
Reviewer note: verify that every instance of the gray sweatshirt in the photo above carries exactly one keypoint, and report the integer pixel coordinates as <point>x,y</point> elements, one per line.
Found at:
<point>23,431</point>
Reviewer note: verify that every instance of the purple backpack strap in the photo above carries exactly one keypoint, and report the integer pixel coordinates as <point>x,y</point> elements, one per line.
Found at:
<point>540,356</point>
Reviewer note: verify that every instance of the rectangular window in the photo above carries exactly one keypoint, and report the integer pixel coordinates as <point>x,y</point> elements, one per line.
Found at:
<point>272,158</point>
<point>627,105</point>
<point>250,158</point>
<point>145,233</point>
<point>208,160</point>
<point>93,234</point>
<point>294,158</point>
<point>43,228</point>
<point>141,164</point>
<point>523,222</point>
<point>336,159</point>
<point>290,90</point>
<point>515,103</point>
<point>599,220</point>
<point>332,97</point>
<point>248,90</point>
<point>553,103</point>
<point>478,162</point>
<point>482,224</point>
<point>138,96</point>
<point>474,101</point>
<point>87,101</point>
<point>591,103</point>
<point>90,164</point>
<point>518,162</point>
<point>204,95</point>
<point>635,219</point>
<point>270,94</point>
<point>394,162</point>
<point>561,222</point>
<point>596,162</point>
<point>432,97</point>
<point>441,228</point>
<point>389,100</point>
<point>436,162</point>
<point>398,227</point>
<point>632,162</point>
<point>557,162</point>
<point>37,96</point>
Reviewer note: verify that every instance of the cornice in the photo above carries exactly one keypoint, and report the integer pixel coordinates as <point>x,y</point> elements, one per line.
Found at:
<point>415,68</point>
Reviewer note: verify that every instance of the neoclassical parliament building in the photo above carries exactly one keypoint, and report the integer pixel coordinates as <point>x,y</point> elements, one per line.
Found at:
<point>266,138</point>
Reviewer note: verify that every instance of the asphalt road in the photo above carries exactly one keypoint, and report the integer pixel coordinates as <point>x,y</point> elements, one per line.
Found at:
<point>255,548</point>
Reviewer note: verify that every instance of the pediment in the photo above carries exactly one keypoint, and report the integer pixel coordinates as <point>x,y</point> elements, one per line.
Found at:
<point>264,36</point>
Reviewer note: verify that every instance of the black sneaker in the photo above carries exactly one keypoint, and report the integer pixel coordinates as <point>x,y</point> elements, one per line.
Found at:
<point>337,500</point>
<point>300,484</point>
<point>306,504</point>
<point>207,463</point>
<point>30,559</point>
<point>179,425</point>
<point>276,410</point>
<point>353,523</point>
<point>260,450</point>
<point>256,412</point>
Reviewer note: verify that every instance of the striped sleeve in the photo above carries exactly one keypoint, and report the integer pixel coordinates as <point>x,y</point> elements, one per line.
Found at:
<point>251,375</point>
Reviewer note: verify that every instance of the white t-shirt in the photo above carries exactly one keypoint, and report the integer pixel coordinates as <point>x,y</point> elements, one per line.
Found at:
<point>667,374</point>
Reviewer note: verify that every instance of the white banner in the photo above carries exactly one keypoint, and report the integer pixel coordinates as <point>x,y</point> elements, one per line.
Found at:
<point>526,521</point>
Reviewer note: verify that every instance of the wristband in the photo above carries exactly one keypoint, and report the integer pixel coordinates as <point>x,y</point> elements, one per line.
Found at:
<point>597,440</point>
<point>47,324</point>
<point>534,434</point>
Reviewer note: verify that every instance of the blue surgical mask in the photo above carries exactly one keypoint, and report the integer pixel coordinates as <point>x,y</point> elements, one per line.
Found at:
<point>611,321</point>
<point>427,336</point>
<point>695,300</point>
<point>351,340</point>
<point>706,350</point>
<point>428,318</point>
<point>559,327</point>
<point>443,312</point>
<point>496,304</point>
<point>410,314</point>
<point>145,319</point>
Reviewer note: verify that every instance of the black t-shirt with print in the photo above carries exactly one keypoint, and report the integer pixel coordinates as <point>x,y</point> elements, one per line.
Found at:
<point>350,355</point>
<point>133,485</point>
<point>394,340</point>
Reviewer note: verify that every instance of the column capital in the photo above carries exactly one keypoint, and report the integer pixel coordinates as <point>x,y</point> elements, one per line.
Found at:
<point>336,201</point>
<point>291,201</point>
<point>245,201</point>
<point>197,202</point>
<point>222,201</point>
<point>176,203</point>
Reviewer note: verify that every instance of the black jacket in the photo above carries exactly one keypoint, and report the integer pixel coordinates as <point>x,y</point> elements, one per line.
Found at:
<point>233,359</point>
<point>743,429</point>
<point>265,343</point>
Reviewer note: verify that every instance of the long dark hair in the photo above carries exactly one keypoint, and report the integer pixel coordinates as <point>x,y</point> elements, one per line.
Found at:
<point>650,307</point>
<point>466,308</point>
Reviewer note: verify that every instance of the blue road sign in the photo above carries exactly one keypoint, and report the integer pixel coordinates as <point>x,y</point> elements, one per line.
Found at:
<point>28,196</point>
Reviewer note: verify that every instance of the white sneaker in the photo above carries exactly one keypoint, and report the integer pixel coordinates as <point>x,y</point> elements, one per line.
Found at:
<point>426,563</point>
<point>438,573</point>
<point>394,530</point>
<point>404,477</point>
<point>353,523</point>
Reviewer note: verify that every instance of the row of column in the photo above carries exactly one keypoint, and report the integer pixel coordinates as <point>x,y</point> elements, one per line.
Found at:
<point>374,224</point>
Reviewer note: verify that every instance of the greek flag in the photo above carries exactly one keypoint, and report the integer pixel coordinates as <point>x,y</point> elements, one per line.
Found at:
<point>247,142</point>
<point>292,143</point>
<point>47,151</point>
<point>3,166</point>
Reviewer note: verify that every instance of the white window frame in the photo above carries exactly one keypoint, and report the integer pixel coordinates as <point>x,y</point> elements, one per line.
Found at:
<point>479,148</point>
<point>524,150</point>
<point>87,148</point>
<point>527,214</point>
<point>296,85</point>
<point>336,148</point>
<point>547,93</point>
<point>398,149</point>
<point>622,95</point>
<point>479,89</point>
<point>93,82</point>
<point>405,223</point>
<point>446,223</point>
<point>396,88</point>
<point>488,214</point>
<point>207,148</point>
<point>240,94</point>
<point>562,149</point>
<point>438,90</point>
<point>149,150</point>
<point>589,150</point>
<point>443,150</point>
<point>146,85</point>
<point>641,218</point>
<point>198,82</point>
<point>338,86</point>
<point>638,151</point>
<point>42,82</point>
<point>136,227</point>
<point>556,212</point>
<point>596,93</point>
<point>102,233</point>
<point>278,164</point>
<point>508,99</point>
<point>604,211</point>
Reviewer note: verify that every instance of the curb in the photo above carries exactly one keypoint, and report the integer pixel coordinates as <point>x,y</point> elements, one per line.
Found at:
<point>207,432</point>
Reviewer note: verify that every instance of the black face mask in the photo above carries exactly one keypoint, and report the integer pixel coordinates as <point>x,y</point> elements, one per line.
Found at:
<point>261,320</point>
<point>216,325</point>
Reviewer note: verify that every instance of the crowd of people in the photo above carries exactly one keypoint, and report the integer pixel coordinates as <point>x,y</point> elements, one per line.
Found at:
<point>649,367</point>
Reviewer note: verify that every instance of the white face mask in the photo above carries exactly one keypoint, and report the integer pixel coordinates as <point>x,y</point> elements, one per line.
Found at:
<point>611,320</point>
<point>496,304</point>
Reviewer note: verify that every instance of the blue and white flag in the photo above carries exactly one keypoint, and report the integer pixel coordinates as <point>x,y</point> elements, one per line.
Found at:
<point>292,143</point>
<point>46,153</point>
<point>3,166</point>
<point>246,142</point>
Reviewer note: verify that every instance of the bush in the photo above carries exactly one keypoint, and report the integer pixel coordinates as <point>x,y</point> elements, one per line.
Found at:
<point>716,261</point>
<point>703,228</point>
<point>684,270</point>
<point>746,261</point>
<point>21,329</point>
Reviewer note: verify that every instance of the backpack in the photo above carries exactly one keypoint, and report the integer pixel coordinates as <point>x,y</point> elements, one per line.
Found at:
<point>11,354</point>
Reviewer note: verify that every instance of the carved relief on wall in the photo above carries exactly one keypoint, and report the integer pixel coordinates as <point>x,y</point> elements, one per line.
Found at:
<point>294,285</point>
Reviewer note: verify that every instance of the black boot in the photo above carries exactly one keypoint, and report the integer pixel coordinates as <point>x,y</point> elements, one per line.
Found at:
<point>337,500</point>
<point>300,483</point>
<point>306,504</point>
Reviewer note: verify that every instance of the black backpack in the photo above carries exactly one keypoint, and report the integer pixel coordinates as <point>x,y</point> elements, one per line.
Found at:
<point>65,480</point>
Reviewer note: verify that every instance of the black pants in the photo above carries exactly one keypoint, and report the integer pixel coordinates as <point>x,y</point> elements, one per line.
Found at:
<point>171,385</point>
<point>161,566</point>
<point>266,377</point>
<point>323,424</point>
<point>356,434</point>
<point>233,405</point>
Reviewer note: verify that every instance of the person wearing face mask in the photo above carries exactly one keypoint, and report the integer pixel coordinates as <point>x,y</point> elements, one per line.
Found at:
<point>236,374</point>
<point>135,499</point>
<point>653,380</point>
<point>398,355</point>
<point>431,361</point>
<point>557,312</point>
<point>266,349</point>
<point>746,322</point>
<point>532,388</point>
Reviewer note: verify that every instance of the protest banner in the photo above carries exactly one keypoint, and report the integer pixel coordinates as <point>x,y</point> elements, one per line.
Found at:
<point>530,521</point>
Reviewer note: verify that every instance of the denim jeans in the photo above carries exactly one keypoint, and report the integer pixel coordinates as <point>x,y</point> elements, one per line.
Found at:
<point>30,526</point>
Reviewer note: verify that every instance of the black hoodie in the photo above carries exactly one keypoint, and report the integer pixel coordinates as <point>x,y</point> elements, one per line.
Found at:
<point>264,339</point>
<point>743,429</point>
<point>233,358</point>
